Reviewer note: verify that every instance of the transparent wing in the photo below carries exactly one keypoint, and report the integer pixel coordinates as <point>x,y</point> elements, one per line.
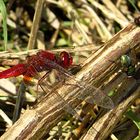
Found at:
<point>63,103</point>
<point>90,93</point>
<point>95,95</point>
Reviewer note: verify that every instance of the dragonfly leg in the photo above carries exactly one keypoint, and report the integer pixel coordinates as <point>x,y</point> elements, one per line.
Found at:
<point>40,81</point>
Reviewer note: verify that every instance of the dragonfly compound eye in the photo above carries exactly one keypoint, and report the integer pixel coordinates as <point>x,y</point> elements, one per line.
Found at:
<point>66,59</point>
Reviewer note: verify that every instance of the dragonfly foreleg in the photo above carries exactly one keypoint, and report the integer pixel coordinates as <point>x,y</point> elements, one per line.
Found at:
<point>40,81</point>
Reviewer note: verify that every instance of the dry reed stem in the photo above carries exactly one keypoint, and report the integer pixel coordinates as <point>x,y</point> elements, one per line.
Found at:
<point>35,25</point>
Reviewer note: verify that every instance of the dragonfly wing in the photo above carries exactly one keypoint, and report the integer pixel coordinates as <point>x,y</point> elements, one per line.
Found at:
<point>94,95</point>
<point>67,107</point>
<point>64,104</point>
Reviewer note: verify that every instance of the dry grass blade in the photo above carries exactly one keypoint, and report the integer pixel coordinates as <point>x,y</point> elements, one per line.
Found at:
<point>112,13</point>
<point>6,118</point>
<point>104,33</point>
<point>120,18</point>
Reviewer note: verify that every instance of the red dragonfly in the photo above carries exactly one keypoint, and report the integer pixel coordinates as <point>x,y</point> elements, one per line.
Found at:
<point>47,61</point>
<point>42,61</point>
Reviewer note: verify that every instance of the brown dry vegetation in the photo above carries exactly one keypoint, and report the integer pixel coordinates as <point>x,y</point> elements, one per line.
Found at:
<point>96,33</point>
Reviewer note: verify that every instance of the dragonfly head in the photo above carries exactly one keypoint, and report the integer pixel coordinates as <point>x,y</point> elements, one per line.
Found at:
<point>66,59</point>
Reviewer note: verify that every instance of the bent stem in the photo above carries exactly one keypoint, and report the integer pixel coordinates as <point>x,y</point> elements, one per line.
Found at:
<point>19,102</point>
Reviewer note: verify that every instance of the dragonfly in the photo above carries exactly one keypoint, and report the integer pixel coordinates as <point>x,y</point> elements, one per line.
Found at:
<point>42,61</point>
<point>47,61</point>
